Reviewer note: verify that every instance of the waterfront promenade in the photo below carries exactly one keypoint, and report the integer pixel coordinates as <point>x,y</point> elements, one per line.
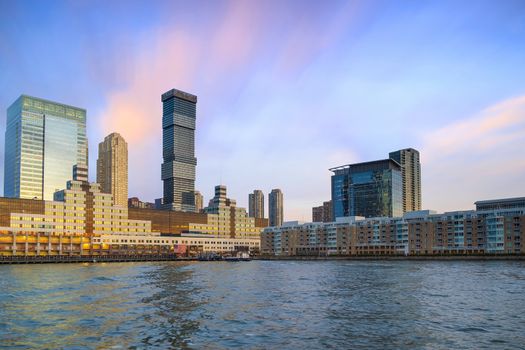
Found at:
<point>56,259</point>
<point>88,258</point>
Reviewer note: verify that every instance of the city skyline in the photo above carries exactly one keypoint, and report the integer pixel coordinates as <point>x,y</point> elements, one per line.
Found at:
<point>468,121</point>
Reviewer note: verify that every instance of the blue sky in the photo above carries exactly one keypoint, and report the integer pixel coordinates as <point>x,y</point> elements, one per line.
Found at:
<point>287,89</point>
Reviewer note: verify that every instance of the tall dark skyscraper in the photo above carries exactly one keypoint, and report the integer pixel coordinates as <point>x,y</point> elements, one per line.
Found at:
<point>179,110</point>
<point>408,158</point>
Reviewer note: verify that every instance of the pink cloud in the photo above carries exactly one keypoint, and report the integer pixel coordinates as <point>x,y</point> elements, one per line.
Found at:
<point>172,56</point>
<point>202,59</point>
<point>134,109</point>
<point>235,38</point>
<point>500,123</point>
<point>477,158</point>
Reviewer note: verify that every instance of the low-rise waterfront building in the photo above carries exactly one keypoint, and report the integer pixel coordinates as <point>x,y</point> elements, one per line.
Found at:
<point>24,243</point>
<point>488,231</point>
<point>225,219</point>
<point>81,208</point>
<point>84,221</point>
<point>196,243</point>
<point>501,204</point>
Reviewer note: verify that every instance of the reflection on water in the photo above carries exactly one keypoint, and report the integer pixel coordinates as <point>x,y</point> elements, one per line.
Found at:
<point>258,304</point>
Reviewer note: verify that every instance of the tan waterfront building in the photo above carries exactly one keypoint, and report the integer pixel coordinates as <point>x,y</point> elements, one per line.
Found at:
<point>81,208</point>
<point>82,220</point>
<point>496,227</point>
<point>225,219</point>
<point>112,168</point>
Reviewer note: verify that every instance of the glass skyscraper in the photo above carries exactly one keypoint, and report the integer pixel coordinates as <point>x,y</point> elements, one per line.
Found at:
<point>371,189</point>
<point>179,111</point>
<point>43,141</point>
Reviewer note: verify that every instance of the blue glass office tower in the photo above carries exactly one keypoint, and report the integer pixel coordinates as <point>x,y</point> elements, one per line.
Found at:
<point>43,141</point>
<point>179,111</point>
<point>371,189</point>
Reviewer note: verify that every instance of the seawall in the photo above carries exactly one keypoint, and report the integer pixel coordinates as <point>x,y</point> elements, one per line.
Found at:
<point>54,259</point>
<point>396,257</point>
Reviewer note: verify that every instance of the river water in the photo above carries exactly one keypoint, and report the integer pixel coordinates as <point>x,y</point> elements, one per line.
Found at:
<point>265,305</point>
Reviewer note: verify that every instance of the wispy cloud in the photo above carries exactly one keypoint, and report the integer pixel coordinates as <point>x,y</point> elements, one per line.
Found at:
<point>226,56</point>
<point>474,158</point>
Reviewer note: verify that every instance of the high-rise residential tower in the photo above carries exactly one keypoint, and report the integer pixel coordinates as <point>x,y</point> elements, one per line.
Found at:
<point>112,168</point>
<point>199,202</point>
<point>328,211</point>
<point>317,214</point>
<point>371,189</point>
<point>179,111</point>
<point>408,158</point>
<point>275,206</point>
<point>323,213</point>
<point>43,141</point>
<point>256,204</point>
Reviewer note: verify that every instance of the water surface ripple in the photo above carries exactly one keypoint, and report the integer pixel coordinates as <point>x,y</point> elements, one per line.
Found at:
<point>264,305</point>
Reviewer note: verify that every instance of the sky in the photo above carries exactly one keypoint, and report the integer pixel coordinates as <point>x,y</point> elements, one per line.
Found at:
<point>287,89</point>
